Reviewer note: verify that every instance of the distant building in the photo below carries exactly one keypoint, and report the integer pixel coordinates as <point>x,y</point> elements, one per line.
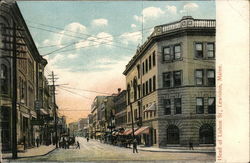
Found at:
<point>120,110</point>
<point>171,85</point>
<point>82,126</point>
<point>73,128</point>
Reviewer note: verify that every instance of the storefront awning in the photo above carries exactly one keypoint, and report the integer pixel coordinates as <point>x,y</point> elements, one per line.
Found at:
<point>43,112</point>
<point>25,115</point>
<point>142,130</point>
<point>152,107</point>
<point>129,131</point>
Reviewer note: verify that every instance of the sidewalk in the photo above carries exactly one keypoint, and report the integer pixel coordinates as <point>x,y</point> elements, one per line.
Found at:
<point>177,149</point>
<point>32,152</point>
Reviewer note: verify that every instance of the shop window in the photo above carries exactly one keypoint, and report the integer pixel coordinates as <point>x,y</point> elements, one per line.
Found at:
<point>173,135</point>
<point>206,134</point>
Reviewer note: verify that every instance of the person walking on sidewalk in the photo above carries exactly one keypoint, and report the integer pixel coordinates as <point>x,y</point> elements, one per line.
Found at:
<point>191,146</point>
<point>135,146</point>
<point>87,139</point>
<point>37,142</point>
<point>77,145</point>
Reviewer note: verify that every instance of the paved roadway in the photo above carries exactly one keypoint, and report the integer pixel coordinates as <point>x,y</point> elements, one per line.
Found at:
<point>94,151</point>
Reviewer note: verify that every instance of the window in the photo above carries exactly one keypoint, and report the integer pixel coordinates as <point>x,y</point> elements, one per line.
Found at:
<point>166,54</point>
<point>139,91</point>
<point>210,77</point>
<point>199,77</point>
<point>150,85</point>
<point>173,136</point>
<point>143,89</point>
<point>211,105</point>
<point>146,65</point>
<point>210,50</point>
<point>129,116</point>
<point>4,79</point>
<point>135,114</point>
<point>199,105</point>
<point>177,78</point>
<point>154,83</point>
<point>177,105</point>
<point>206,133</point>
<point>177,51</point>
<point>149,62</point>
<point>166,79</point>
<point>154,58</point>
<point>146,87</point>
<point>143,68</point>
<point>128,93</point>
<point>167,106</point>
<point>199,50</point>
<point>138,71</point>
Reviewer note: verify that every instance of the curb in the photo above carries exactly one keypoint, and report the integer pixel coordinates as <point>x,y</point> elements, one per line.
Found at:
<point>32,156</point>
<point>179,151</point>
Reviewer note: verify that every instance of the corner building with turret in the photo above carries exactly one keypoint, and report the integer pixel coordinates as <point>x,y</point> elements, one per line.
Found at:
<point>170,84</point>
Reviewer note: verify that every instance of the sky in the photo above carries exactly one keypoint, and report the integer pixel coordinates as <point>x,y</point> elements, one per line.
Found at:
<point>88,43</point>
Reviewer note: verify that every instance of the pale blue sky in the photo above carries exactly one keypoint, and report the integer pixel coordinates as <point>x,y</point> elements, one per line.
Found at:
<point>99,67</point>
<point>119,16</point>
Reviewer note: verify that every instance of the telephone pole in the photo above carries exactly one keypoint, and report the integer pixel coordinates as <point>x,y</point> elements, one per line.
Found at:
<point>14,96</point>
<point>54,106</point>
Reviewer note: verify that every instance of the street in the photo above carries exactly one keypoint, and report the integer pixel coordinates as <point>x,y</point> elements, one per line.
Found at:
<point>95,151</point>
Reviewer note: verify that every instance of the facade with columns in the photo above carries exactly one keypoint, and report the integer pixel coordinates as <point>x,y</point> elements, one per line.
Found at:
<point>171,85</point>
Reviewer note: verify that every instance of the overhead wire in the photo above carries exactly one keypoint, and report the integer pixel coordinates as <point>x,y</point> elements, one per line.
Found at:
<point>86,90</point>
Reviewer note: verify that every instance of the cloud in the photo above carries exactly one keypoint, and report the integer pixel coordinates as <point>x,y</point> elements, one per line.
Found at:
<point>138,18</point>
<point>171,9</point>
<point>131,37</point>
<point>72,56</point>
<point>100,22</point>
<point>149,13</point>
<point>189,7</point>
<point>133,26</point>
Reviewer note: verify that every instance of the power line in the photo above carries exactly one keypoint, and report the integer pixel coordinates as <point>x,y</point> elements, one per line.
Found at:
<point>80,38</point>
<point>75,93</point>
<point>86,90</point>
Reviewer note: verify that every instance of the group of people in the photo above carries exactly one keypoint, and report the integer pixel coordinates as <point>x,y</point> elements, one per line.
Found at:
<point>66,141</point>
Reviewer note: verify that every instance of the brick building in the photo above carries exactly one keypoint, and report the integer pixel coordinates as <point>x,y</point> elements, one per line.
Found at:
<point>171,85</point>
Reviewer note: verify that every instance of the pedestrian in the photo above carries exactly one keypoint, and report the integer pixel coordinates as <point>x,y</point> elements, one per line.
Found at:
<point>77,145</point>
<point>87,139</point>
<point>191,146</point>
<point>37,142</point>
<point>24,142</point>
<point>135,146</point>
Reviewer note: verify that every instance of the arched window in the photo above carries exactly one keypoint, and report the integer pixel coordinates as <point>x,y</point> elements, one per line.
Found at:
<point>128,93</point>
<point>4,76</point>
<point>206,134</point>
<point>173,135</point>
<point>135,88</point>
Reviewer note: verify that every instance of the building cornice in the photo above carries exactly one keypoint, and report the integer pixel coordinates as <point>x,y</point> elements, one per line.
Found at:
<point>187,26</point>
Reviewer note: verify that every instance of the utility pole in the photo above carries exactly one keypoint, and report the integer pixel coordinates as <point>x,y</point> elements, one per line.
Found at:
<point>14,96</point>
<point>54,106</point>
<point>132,118</point>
